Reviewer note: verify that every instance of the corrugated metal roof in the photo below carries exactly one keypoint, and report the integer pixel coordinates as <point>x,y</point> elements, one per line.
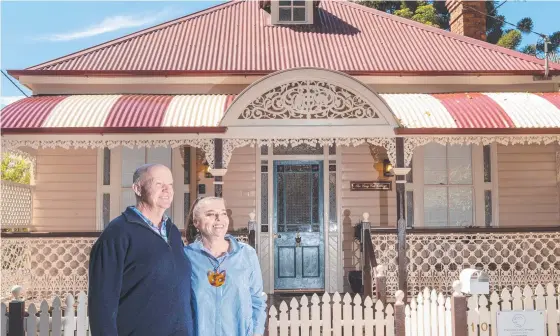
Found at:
<point>142,112</point>
<point>238,37</point>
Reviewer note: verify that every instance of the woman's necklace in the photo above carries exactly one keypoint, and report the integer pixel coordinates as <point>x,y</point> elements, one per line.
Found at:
<point>215,277</point>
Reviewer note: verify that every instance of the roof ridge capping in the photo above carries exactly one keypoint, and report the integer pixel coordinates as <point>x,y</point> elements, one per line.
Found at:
<point>459,37</point>
<point>136,34</point>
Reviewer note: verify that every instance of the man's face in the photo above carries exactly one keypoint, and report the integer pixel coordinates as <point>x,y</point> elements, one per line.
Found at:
<point>157,187</point>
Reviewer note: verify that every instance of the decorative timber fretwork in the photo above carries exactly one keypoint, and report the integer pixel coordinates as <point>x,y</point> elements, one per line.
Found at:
<point>410,143</point>
<point>207,145</point>
<point>231,144</point>
<point>308,99</point>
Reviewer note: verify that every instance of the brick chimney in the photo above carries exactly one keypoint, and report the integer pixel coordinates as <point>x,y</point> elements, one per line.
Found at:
<point>467,18</point>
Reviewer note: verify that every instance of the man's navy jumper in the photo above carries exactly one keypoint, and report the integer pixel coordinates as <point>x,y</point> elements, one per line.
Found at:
<point>139,284</point>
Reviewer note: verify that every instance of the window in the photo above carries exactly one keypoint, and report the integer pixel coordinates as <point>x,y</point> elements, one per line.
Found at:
<point>292,12</point>
<point>115,170</point>
<point>448,190</point>
<point>451,185</point>
<point>134,158</point>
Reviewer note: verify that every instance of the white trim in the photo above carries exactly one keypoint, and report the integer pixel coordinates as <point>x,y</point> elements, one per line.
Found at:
<point>271,229</point>
<point>115,84</point>
<point>258,197</point>
<point>277,157</point>
<point>339,218</point>
<point>275,14</point>
<point>100,189</point>
<point>478,185</point>
<point>179,187</point>
<point>477,162</point>
<point>326,197</point>
<point>495,185</point>
<point>114,171</point>
<point>260,87</point>
<point>272,129</point>
<point>417,186</point>
<point>116,181</point>
<point>412,142</point>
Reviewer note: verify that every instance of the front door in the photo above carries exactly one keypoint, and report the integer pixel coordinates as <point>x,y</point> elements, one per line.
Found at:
<point>298,224</point>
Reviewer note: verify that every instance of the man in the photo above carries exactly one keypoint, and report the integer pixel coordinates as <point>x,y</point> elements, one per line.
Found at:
<point>139,276</point>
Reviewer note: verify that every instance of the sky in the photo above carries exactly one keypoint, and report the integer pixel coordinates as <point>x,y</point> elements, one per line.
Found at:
<point>33,32</point>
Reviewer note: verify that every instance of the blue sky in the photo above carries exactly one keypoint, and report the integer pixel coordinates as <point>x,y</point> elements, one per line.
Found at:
<point>34,32</point>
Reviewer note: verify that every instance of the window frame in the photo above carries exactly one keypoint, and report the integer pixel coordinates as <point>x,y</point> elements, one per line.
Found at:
<point>275,13</point>
<point>115,188</point>
<point>417,186</point>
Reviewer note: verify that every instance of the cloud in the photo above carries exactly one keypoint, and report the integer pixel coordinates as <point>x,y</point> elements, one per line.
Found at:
<point>109,24</point>
<point>8,100</point>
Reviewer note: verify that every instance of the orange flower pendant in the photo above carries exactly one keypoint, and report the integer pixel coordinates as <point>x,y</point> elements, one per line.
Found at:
<point>216,279</point>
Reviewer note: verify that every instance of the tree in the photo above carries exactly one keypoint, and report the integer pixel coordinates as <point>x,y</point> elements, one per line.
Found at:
<point>15,169</point>
<point>435,13</point>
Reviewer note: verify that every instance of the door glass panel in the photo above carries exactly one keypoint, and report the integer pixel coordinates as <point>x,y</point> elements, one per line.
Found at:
<point>298,198</point>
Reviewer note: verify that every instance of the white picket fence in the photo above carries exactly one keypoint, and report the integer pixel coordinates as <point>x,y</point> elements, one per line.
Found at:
<point>75,321</point>
<point>428,314</point>
<point>351,317</point>
<point>481,315</point>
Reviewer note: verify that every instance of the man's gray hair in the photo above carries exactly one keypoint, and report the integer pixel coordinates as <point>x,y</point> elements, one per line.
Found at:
<point>138,176</point>
<point>140,172</point>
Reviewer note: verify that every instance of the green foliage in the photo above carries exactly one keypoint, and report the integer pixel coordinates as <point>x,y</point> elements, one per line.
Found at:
<point>435,13</point>
<point>530,49</point>
<point>511,39</point>
<point>404,12</point>
<point>426,14</point>
<point>15,169</point>
<point>525,25</point>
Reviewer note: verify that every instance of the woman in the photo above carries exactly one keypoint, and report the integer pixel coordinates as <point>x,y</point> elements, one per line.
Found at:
<point>226,276</point>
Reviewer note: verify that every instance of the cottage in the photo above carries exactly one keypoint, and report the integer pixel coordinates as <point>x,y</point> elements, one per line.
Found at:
<point>311,118</point>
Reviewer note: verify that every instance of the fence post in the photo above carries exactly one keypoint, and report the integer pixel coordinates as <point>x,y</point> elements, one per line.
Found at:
<point>400,315</point>
<point>459,323</point>
<point>381,284</point>
<point>16,314</point>
<point>251,226</point>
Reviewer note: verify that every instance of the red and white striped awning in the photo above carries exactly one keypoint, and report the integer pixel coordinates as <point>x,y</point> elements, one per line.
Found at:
<point>203,113</point>
<point>476,110</point>
<point>114,113</point>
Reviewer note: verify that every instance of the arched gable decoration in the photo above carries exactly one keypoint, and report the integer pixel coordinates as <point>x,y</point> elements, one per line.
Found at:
<point>308,96</point>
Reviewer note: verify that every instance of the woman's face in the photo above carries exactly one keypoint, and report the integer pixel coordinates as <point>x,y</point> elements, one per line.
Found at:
<point>211,218</point>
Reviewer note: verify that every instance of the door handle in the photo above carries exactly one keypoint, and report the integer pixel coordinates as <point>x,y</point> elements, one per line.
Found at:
<point>298,239</point>
<point>276,235</point>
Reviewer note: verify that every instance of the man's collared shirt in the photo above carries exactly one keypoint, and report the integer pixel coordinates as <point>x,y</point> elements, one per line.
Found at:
<point>162,231</point>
